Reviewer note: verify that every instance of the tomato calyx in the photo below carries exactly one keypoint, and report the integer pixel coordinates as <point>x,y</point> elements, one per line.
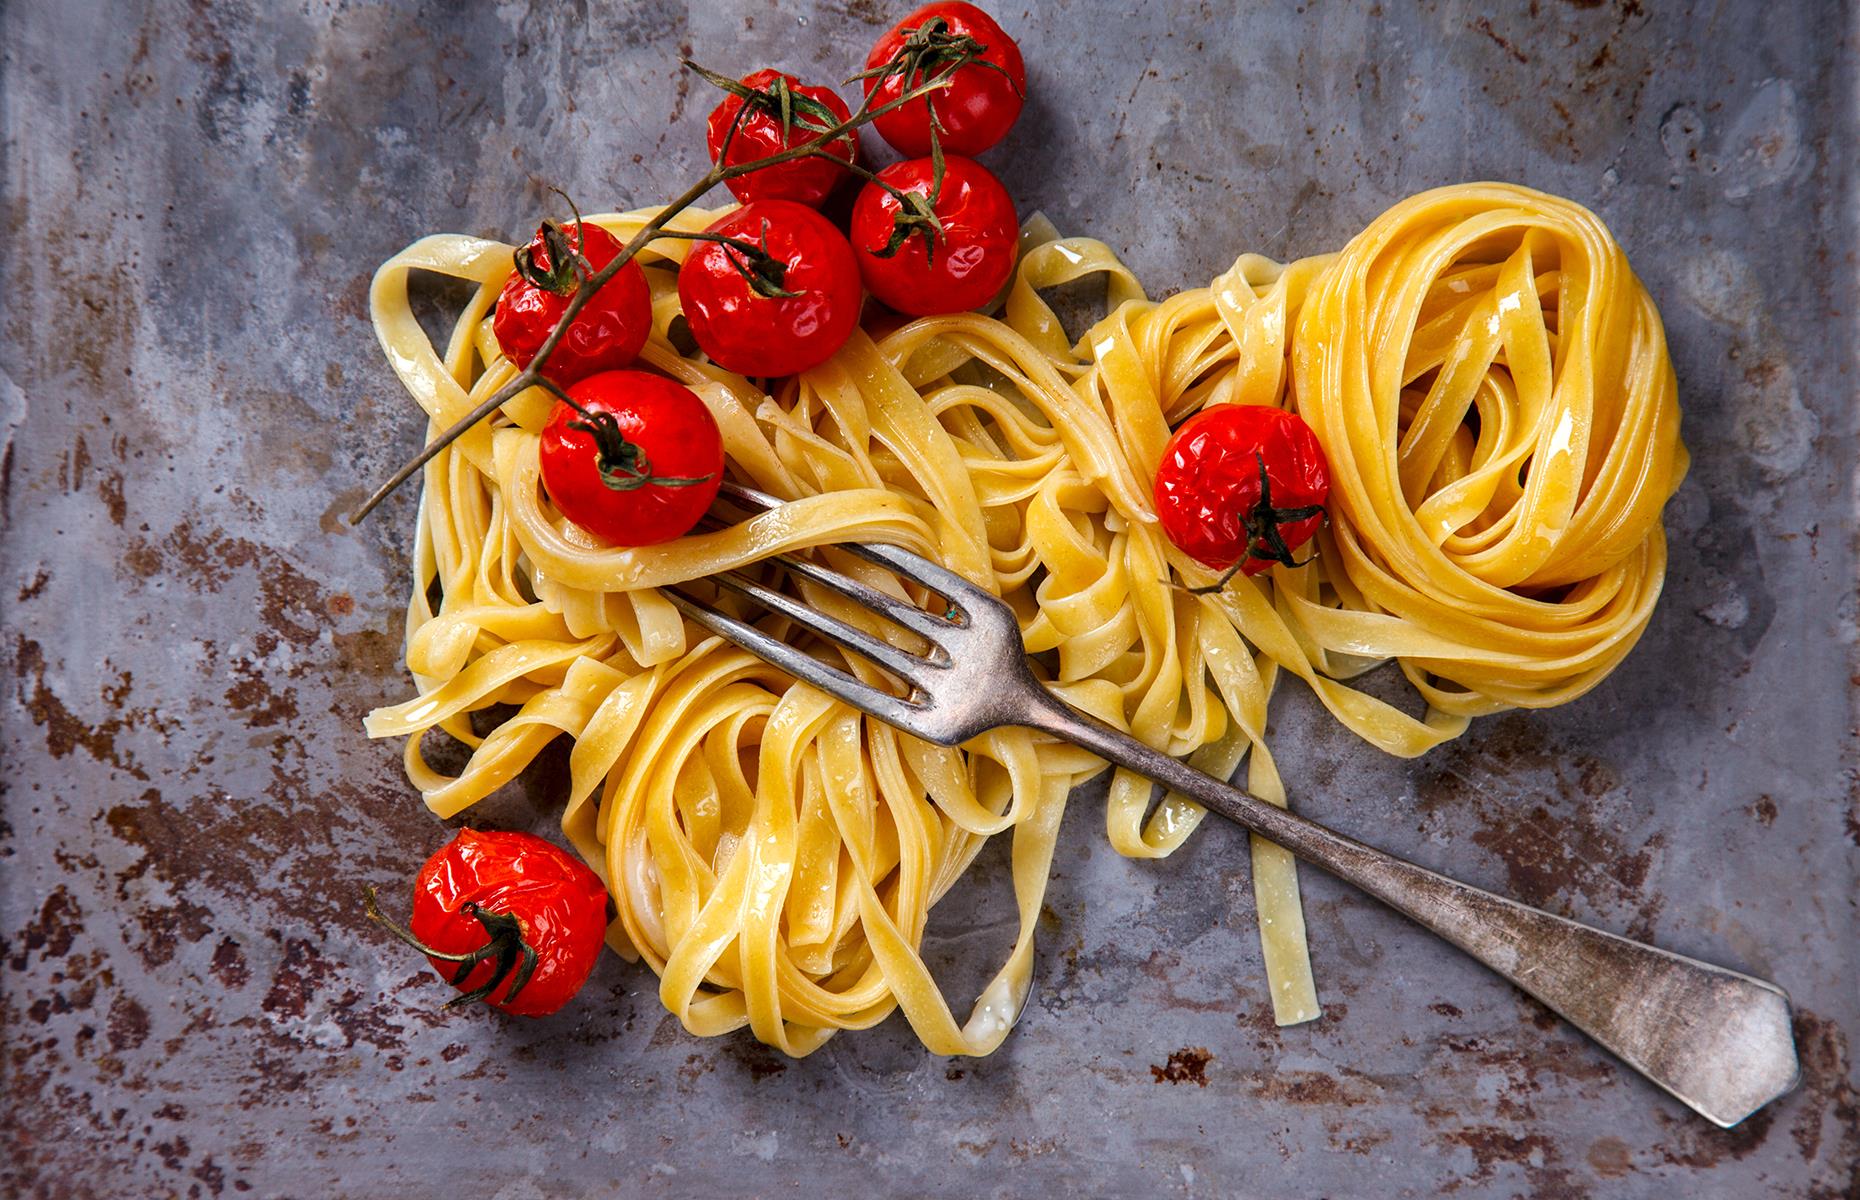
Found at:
<point>916,211</point>
<point>933,51</point>
<point>1262,523</point>
<point>511,955</point>
<point>622,464</point>
<point>568,267</point>
<point>766,275</point>
<point>779,100</point>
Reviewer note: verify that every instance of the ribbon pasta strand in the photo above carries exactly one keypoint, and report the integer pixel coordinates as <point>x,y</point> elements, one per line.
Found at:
<point>1489,382</point>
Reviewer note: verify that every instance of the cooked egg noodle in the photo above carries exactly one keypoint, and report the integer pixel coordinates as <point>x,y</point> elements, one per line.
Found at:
<point>1490,384</point>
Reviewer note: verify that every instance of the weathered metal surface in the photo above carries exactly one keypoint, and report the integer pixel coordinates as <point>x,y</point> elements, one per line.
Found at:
<point>194,198</point>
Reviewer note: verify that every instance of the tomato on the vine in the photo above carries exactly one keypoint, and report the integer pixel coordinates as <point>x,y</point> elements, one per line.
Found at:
<point>636,460</point>
<point>782,113</point>
<point>1241,486</point>
<point>506,918</point>
<point>928,245</point>
<point>779,297</point>
<point>609,330</point>
<point>986,90</point>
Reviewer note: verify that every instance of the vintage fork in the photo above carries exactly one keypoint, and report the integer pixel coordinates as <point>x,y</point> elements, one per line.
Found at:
<point>1718,1040</point>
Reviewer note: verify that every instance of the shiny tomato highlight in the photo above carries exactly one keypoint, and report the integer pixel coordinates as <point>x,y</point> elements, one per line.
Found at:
<point>606,335</point>
<point>962,266</point>
<point>638,464</point>
<point>1242,485</point>
<point>752,333</point>
<point>985,94</point>
<point>534,899</point>
<point>809,180</point>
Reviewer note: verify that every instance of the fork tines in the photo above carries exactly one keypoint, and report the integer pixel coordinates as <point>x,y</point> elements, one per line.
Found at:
<point>907,667</point>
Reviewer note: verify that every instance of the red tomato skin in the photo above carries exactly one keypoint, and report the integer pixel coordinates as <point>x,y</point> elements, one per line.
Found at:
<point>980,106</point>
<point>974,255</point>
<point>1209,479</point>
<point>606,335</point>
<point>765,335</point>
<point>559,902</point>
<point>660,416</point>
<point>808,180</point>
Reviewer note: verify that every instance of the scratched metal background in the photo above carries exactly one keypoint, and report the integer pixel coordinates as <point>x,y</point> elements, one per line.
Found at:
<point>195,195</point>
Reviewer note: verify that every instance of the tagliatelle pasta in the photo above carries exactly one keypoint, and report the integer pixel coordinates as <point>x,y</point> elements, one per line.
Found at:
<point>1487,377</point>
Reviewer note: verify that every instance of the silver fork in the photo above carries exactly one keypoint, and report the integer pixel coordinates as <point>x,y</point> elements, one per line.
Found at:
<point>1718,1040</point>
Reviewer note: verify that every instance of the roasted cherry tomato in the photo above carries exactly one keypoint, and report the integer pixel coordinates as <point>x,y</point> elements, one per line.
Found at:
<point>957,263</point>
<point>637,463</point>
<point>984,96</point>
<point>508,919</point>
<point>778,298</point>
<point>810,111</point>
<point>605,335</point>
<point>1241,486</point>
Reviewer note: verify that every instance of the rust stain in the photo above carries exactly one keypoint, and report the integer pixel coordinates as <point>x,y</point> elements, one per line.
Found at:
<point>128,1025</point>
<point>369,652</point>
<point>76,465</point>
<point>1165,967</point>
<point>681,89</point>
<point>1484,25</point>
<point>253,849</point>
<point>1609,1158</point>
<point>252,694</point>
<point>1316,1087</point>
<point>1187,1065</point>
<point>1022,1149</point>
<point>37,585</point>
<point>696,1066</point>
<point>292,605</point>
<point>1764,810</point>
<point>1827,1072</point>
<point>229,965</point>
<point>761,1062</point>
<point>1492,1145</point>
<point>166,926</point>
<point>1690,1146</point>
<point>868,11</point>
<point>52,933</point>
<point>1357,1143</point>
<point>1551,816</point>
<point>65,731</point>
<point>98,332</point>
<point>1502,1133</point>
<point>1570,66</point>
<point>110,491</point>
<point>299,977</point>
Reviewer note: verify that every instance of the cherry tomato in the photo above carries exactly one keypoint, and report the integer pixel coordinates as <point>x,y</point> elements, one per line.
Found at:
<point>733,299</point>
<point>1242,486</point>
<point>959,267</point>
<point>984,97</point>
<point>639,464</point>
<point>508,919</point>
<point>605,335</point>
<point>804,180</point>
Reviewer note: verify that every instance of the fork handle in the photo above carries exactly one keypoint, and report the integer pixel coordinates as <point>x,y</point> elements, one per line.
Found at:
<point>1718,1040</point>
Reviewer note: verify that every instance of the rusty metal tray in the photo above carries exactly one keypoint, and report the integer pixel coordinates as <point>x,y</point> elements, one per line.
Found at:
<point>190,1004</point>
